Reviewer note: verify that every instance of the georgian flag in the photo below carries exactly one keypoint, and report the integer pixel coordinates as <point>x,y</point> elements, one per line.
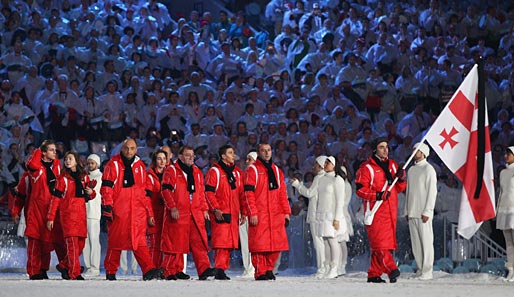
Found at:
<point>454,137</point>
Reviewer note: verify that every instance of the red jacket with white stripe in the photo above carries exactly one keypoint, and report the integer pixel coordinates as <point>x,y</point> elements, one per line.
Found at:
<point>72,209</point>
<point>370,179</point>
<point>153,192</point>
<point>221,196</point>
<point>38,202</point>
<point>130,206</point>
<point>270,207</point>
<point>175,233</point>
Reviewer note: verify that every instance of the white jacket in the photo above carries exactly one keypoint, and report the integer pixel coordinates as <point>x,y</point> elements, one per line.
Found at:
<point>421,191</point>
<point>94,207</point>
<point>310,193</point>
<point>330,207</point>
<point>346,209</point>
<point>505,212</point>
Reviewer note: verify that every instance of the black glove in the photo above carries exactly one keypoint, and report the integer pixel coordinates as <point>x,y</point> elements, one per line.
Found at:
<point>286,222</point>
<point>383,195</point>
<point>400,174</point>
<point>107,213</point>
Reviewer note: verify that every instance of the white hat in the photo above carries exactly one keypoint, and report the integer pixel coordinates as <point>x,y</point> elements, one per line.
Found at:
<point>332,160</point>
<point>423,148</point>
<point>95,158</point>
<point>252,155</point>
<point>511,149</point>
<point>321,160</point>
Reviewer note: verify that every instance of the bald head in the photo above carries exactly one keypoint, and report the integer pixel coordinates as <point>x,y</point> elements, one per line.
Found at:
<point>129,148</point>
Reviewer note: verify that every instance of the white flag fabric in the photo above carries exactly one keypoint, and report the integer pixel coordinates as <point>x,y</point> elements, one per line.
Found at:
<point>453,136</point>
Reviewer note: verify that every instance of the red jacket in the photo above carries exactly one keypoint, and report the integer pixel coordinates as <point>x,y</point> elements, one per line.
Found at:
<point>269,235</point>
<point>370,179</point>
<point>72,209</point>
<point>175,233</point>
<point>221,196</point>
<point>130,207</point>
<point>153,191</point>
<point>38,201</point>
<point>18,201</point>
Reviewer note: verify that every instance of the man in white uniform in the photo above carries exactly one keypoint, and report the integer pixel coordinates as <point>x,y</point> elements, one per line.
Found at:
<point>312,194</point>
<point>419,209</point>
<point>92,249</point>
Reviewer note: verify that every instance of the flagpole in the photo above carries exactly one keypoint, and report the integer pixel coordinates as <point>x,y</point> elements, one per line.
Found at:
<point>407,162</point>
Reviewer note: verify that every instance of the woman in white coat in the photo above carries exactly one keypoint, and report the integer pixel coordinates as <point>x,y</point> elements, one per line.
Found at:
<point>505,215</point>
<point>330,220</point>
<point>345,236</point>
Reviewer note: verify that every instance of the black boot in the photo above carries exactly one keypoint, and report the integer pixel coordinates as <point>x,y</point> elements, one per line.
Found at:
<point>154,273</point>
<point>207,272</point>
<point>80,277</point>
<point>171,277</point>
<point>44,274</point>
<point>63,271</point>
<point>376,279</point>
<point>270,275</point>
<point>220,274</point>
<point>182,275</point>
<point>393,277</point>
<point>38,276</point>
<point>262,277</point>
<point>110,277</point>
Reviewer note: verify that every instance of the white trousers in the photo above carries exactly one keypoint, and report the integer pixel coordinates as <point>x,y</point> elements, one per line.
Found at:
<point>124,262</point>
<point>92,249</point>
<point>344,258</point>
<point>245,252</point>
<point>319,247</point>
<point>422,239</point>
<point>509,243</point>
<point>332,252</point>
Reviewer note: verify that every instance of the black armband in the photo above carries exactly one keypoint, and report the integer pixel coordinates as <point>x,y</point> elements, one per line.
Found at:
<point>168,187</point>
<point>107,183</point>
<point>249,188</point>
<point>148,193</point>
<point>210,188</point>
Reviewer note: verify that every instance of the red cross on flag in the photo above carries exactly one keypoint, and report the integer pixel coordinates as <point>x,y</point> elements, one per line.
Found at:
<point>454,137</point>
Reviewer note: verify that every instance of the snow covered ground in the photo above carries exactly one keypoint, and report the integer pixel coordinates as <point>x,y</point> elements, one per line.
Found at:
<point>288,284</point>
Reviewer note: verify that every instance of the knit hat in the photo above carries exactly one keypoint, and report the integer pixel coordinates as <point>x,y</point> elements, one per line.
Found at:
<point>511,149</point>
<point>252,155</point>
<point>321,160</point>
<point>422,148</point>
<point>95,158</point>
<point>332,160</point>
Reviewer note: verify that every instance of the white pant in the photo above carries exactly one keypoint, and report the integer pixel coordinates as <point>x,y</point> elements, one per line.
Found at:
<point>92,249</point>
<point>124,262</point>
<point>422,239</point>
<point>332,252</point>
<point>509,243</point>
<point>319,247</point>
<point>344,258</point>
<point>245,253</point>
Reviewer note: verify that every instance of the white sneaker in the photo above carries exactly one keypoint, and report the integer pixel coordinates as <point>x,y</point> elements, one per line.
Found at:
<point>332,273</point>
<point>425,277</point>
<point>92,272</point>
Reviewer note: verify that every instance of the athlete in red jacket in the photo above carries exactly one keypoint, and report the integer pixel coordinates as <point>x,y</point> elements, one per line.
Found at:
<point>372,180</point>
<point>43,168</point>
<point>268,210</point>
<point>153,189</point>
<point>72,191</point>
<point>125,207</point>
<point>183,230</point>
<point>225,193</point>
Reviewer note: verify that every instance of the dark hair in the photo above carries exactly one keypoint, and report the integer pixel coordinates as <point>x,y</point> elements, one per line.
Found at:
<point>154,156</point>
<point>185,147</point>
<point>223,150</point>
<point>80,167</point>
<point>45,144</point>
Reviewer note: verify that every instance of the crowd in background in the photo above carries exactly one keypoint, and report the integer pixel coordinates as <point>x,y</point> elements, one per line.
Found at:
<point>328,77</point>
